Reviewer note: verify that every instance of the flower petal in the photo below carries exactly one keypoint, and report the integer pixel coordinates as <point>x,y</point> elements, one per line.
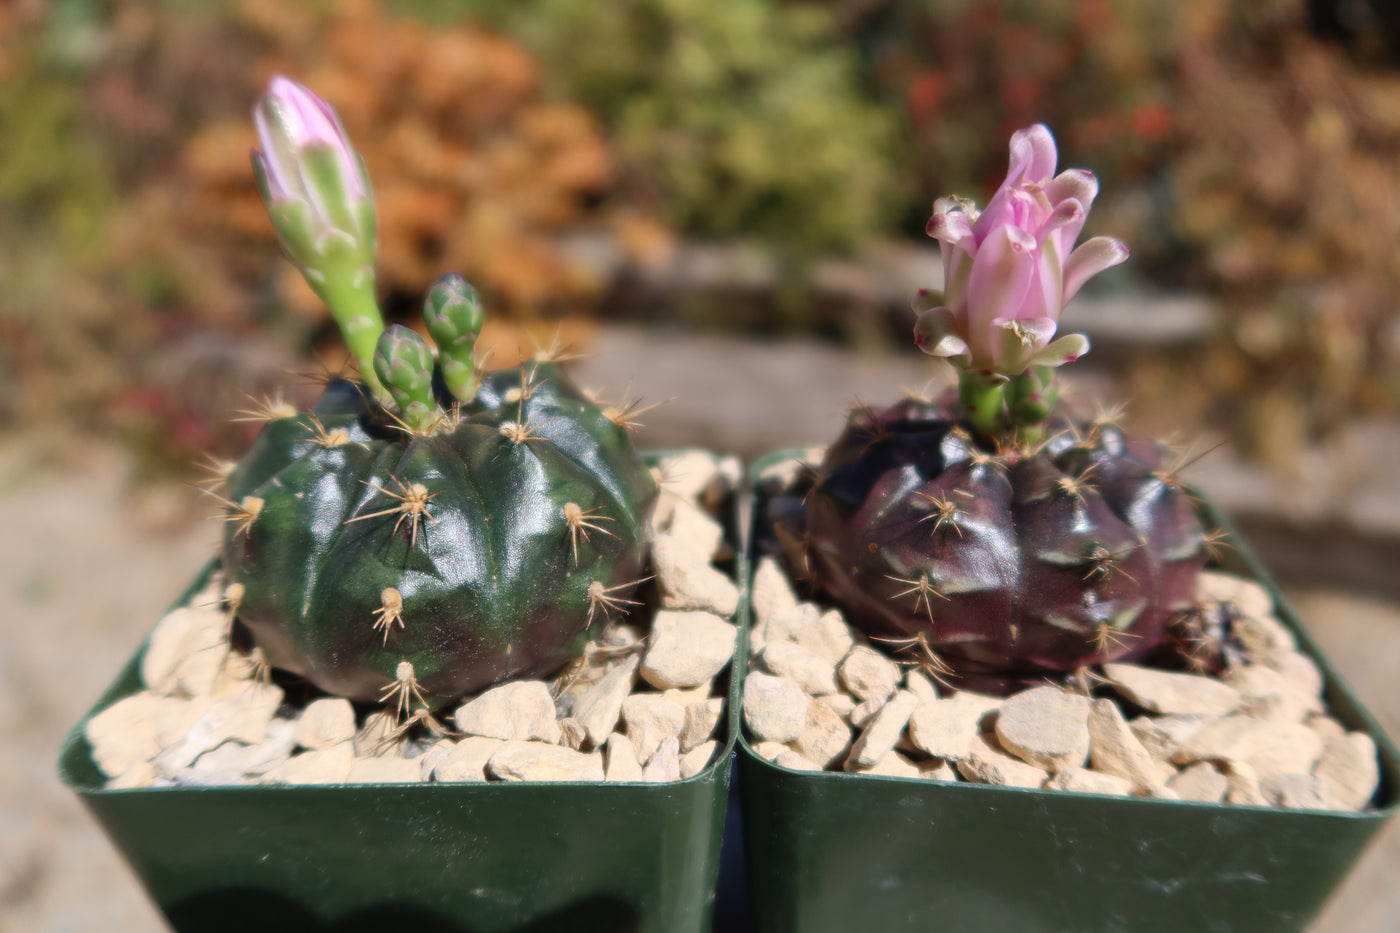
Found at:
<point>1067,349</point>
<point>1091,258</point>
<point>997,286</point>
<point>1033,155</point>
<point>925,299</point>
<point>936,333</point>
<point>1017,341</point>
<point>949,223</point>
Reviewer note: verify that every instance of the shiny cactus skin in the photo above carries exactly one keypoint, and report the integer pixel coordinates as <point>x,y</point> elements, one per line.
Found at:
<point>361,545</point>
<point>1009,566</point>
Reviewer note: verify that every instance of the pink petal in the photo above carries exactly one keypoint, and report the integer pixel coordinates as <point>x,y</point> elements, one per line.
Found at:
<point>1075,183</point>
<point>1091,258</point>
<point>998,284</point>
<point>1033,155</point>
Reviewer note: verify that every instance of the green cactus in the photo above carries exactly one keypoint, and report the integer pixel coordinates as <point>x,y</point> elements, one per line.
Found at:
<point>476,543</point>
<point>428,531</point>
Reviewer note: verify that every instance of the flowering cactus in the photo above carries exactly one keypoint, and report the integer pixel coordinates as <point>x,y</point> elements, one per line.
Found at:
<point>318,195</point>
<point>1008,272</point>
<point>1005,539</point>
<point>445,531</point>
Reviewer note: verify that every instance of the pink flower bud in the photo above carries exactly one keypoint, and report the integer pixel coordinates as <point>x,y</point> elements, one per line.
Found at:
<point>289,118</point>
<point>1010,269</point>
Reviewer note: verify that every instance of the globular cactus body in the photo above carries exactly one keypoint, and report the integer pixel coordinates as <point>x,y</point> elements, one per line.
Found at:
<point>1008,566</point>
<point>361,545</point>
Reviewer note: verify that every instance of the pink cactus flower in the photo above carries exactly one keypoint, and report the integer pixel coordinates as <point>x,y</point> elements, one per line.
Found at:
<point>314,183</point>
<point>1010,269</point>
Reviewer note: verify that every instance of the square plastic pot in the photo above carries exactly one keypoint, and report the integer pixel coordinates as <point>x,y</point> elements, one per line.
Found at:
<point>466,858</point>
<point>840,852</point>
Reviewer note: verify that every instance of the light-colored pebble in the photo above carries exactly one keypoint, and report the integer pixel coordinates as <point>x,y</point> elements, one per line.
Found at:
<point>825,737</point>
<point>687,474</point>
<point>701,718</point>
<point>139,775</point>
<point>770,750</point>
<point>648,718</point>
<point>861,714</point>
<point>175,641</point>
<point>1269,747</point>
<point>770,594</point>
<point>1298,670</point>
<point>786,626</point>
<point>775,708</point>
<point>1248,596</point>
<point>1084,781</point>
<point>1293,791</point>
<point>945,728</point>
<point>880,734</point>
<point>1243,785</point>
<point>384,771</point>
<point>698,758</point>
<point>620,759</point>
<point>892,764</point>
<point>1172,692</point>
<point>251,760</point>
<point>694,528</point>
<point>842,704</point>
<point>816,674</point>
<point>918,683</point>
<point>1163,735</point>
<point>687,649</point>
<point>1271,694</point>
<point>987,765</point>
<point>540,761</point>
<point>322,766</point>
<point>1348,771</point>
<point>1326,727</point>
<point>1261,636</point>
<point>665,764</point>
<point>1114,749</point>
<point>324,723</point>
<point>430,759</point>
<point>571,733</point>
<point>787,758</point>
<point>124,734</point>
<point>1045,726</point>
<point>521,710</point>
<point>828,637</point>
<point>867,674</point>
<point>598,709</point>
<point>379,735</point>
<point>466,762</point>
<point>1200,782</point>
<point>688,581</point>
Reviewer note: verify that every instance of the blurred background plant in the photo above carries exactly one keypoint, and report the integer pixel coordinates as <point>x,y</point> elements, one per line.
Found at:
<point>1249,151</point>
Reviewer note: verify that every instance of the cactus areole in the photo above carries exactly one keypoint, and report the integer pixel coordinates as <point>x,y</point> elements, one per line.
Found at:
<point>1003,540</point>
<point>429,531</point>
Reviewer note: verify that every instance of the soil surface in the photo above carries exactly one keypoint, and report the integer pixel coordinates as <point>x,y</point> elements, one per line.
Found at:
<point>90,559</point>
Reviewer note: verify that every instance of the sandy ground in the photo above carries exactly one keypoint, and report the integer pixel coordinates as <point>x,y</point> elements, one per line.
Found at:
<point>89,561</point>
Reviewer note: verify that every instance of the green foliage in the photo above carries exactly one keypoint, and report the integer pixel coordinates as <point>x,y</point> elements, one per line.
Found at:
<point>743,118</point>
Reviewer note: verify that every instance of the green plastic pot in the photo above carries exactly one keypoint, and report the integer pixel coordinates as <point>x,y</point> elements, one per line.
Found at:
<point>840,852</point>
<point>467,858</point>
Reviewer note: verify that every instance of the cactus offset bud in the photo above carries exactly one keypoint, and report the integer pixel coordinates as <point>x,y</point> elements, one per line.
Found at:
<point>454,316</point>
<point>318,195</point>
<point>404,365</point>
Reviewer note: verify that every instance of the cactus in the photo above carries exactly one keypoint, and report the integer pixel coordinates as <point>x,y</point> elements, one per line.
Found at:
<point>1006,540</point>
<point>430,531</point>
